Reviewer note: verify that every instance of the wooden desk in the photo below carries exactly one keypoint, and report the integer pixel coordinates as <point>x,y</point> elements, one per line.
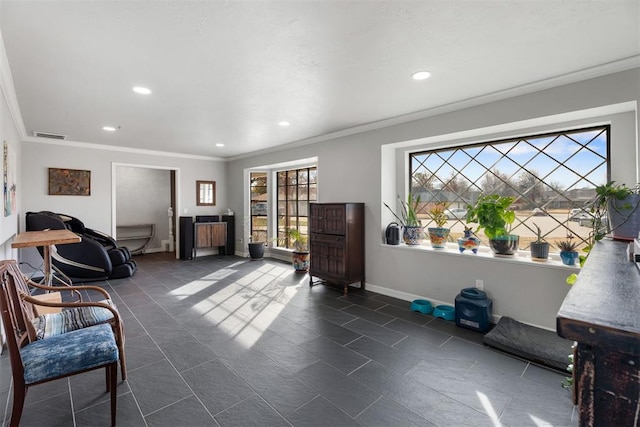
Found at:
<point>46,239</point>
<point>601,312</point>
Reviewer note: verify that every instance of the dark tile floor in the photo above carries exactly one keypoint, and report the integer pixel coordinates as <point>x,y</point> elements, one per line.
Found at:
<point>231,342</point>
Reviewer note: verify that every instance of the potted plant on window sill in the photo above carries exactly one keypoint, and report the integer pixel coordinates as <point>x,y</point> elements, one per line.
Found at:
<point>413,232</point>
<point>539,248</point>
<point>438,235</point>
<point>468,241</point>
<point>300,255</point>
<point>492,213</point>
<point>615,210</point>
<point>568,253</point>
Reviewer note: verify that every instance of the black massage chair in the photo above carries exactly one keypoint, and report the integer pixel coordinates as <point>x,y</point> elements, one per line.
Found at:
<point>96,257</point>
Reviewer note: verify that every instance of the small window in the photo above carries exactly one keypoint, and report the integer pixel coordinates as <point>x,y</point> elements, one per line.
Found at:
<point>205,193</point>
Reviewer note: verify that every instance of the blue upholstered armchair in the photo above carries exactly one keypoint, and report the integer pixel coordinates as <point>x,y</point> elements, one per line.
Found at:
<point>64,355</point>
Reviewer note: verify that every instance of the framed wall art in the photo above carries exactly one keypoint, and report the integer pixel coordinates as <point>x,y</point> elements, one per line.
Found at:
<point>69,182</point>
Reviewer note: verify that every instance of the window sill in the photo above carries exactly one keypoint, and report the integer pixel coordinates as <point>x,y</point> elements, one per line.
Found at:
<point>521,257</point>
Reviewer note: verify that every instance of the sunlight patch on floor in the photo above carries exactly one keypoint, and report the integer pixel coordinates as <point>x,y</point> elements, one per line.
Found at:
<point>488,409</point>
<point>540,422</point>
<point>220,274</point>
<point>245,308</point>
<point>189,289</point>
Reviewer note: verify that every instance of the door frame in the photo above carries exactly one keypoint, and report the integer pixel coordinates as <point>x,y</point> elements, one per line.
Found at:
<point>176,195</point>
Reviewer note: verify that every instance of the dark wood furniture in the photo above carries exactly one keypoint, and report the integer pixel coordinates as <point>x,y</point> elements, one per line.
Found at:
<point>336,243</point>
<point>602,313</point>
<point>209,235</point>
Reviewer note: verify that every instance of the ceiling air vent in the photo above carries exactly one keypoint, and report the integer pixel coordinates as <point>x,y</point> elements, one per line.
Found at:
<point>49,135</point>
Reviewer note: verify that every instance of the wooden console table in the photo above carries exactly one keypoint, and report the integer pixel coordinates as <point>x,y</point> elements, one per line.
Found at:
<point>209,235</point>
<point>602,313</point>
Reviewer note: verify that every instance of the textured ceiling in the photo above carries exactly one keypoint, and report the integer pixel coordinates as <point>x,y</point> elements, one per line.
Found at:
<point>228,71</point>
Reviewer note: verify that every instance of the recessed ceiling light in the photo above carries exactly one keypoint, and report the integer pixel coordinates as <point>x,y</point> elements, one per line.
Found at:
<point>142,90</point>
<point>219,145</point>
<point>421,75</point>
<point>283,123</point>
<point>109,128</point>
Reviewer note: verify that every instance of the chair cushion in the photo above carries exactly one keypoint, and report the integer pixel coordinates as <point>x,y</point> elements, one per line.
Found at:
<point>66,354</point>
<point>53,324</point>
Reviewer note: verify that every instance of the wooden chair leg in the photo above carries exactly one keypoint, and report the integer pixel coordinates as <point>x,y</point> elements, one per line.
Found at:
<point>123,364</point>
<point>113,377</point>
<point>19,394</point>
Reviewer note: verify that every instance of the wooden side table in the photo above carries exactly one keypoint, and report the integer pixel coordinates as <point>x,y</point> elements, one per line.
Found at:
<point>46,239</point>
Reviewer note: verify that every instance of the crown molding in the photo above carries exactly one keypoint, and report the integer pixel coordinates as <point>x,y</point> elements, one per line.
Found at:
<point>93,146</point>
<point>574,77</point>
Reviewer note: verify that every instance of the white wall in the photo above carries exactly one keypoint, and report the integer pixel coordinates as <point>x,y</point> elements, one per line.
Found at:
<point>143,196</point>
<point>96,210</point>
<point>349,170</point>
<point>9,133</point>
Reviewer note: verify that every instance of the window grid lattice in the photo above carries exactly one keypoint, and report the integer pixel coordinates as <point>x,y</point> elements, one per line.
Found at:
<point>548,174</point>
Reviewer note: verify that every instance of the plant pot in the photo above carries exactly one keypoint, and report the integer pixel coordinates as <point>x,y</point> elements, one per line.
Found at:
<point>438,237</point>
<point>468,242</point>
<point>624,217</point>
<point>413,235</point>
<point>256,250</point>
<point>569,258</point>
<point>504,245</point>
<point>539,251</point>
<point>300,261</point>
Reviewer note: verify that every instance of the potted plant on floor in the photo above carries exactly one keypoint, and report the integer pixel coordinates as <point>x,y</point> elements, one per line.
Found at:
<point>256,250</point>
<point>413,231</point>
<point>438,235</point>
<point>492,213</point>
<point>300,256</point>
<point>539,248</point>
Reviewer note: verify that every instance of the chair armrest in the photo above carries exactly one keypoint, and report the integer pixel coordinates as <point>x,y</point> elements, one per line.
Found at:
<point>64,287</point>
<point>35,301</point>
<point>72,288</point>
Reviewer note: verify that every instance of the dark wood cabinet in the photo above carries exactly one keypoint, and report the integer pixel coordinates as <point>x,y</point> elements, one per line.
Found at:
<point>336,243</point>
<point>209,235</point>
<point>601,313</point>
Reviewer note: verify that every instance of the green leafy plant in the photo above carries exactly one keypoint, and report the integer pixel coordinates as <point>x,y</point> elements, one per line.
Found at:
<point>493,214</point>
<point>437,213</point>
<point>409,214</point>
<point>608,196</point>
<point>297,239</point>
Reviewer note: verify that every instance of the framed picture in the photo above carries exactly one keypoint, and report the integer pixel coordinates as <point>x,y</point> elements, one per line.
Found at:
<point>69,182</point>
